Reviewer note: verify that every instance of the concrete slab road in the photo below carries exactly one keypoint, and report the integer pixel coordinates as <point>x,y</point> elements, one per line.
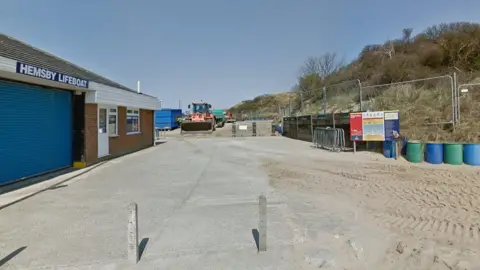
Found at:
<point>198,209</point>
<point>197,201</point>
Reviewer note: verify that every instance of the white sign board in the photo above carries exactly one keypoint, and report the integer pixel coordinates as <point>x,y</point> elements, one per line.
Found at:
<point>242,127</point>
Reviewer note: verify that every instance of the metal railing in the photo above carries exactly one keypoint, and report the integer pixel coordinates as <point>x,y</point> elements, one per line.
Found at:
<point>160,135</point>
<point>332,139</point>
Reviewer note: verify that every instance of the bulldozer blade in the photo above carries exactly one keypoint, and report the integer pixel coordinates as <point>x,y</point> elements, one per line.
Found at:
<point>197,128</point>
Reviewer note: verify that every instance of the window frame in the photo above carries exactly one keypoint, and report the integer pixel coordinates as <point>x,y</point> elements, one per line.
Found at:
<point>132,113</point>
<point>109,113</point>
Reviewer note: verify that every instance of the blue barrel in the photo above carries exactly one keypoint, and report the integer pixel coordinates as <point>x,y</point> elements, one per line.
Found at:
<point>471,154</point>
<point>434,152</point>
<point>389,149</point>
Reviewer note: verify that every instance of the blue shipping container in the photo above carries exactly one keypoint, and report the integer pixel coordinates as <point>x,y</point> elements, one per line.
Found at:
<point>167,118</point>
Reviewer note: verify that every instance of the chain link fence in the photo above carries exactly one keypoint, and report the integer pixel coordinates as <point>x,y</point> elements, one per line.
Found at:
<point>426,105</point>
<point>427,101</point>
<point>342,97</point>
<point>468,101</point>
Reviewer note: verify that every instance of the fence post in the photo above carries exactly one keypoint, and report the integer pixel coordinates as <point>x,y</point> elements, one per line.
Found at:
<point>289,106</point>
<point>262,223</point>
<point>361,94</point>
<point>324,100</point>
<point>333,119</point>
<point>296,120</point>
<point>311,125</point>
<point>133,252</point>
<point>455,99</point>
<point>301,102</point>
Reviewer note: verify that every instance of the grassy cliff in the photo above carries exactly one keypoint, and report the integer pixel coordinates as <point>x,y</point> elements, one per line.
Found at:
<point>425,106</point>
<point>262,106</point>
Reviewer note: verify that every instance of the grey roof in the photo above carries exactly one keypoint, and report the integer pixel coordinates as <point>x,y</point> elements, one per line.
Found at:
<point>20,51</point>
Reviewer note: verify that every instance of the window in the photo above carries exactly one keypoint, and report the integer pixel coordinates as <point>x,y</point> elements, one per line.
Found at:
<point>112,122</point>
<point>200,108</point>
<point>133,120</point>
<point>102,120</point>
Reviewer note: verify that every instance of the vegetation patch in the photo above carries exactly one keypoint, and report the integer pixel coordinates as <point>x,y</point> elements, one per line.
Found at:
<point>425,105</point>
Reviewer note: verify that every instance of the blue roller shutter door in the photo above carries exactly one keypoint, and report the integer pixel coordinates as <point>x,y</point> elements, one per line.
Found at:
<point>35,130</point>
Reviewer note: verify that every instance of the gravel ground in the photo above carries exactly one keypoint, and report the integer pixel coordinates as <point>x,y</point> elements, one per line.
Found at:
<point>198,200</point>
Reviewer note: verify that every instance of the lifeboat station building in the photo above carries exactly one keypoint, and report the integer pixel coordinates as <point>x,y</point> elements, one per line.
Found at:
<point>55,115</point>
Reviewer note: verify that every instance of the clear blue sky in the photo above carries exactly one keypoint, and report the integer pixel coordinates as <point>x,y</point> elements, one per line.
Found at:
<point>222,51</point>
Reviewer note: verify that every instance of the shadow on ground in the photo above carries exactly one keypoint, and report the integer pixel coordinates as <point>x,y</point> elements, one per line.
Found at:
<point>42,178</point>
<point>34,180</point>
<point>58,187</point>
<point>11,256</point>
<point>256,237</point>
<point>142,246</point>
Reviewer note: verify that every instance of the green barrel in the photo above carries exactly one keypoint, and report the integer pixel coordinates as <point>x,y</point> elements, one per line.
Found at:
<point>414,151</point>
<point>453,153</point>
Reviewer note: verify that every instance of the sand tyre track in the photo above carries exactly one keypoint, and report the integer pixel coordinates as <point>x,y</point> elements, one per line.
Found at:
<point>446,210</point>
<point>423,226</point>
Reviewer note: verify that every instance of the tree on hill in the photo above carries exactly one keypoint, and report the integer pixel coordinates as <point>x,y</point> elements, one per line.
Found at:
<point>438,50</point>
<point>315,71</point>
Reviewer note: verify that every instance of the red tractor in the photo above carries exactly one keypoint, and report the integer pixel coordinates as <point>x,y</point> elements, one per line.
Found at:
<point>200,120</point>
<point>229,118</point>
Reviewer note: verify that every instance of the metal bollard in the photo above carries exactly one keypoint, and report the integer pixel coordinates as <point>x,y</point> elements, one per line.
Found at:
<point>254,129</point>
<point>262,223</point>
<point>133,249</point>
<point>234,130</point>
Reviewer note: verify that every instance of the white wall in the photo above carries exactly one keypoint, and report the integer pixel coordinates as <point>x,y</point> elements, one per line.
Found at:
<point>7,64</point>
<point>105,94</point>
<point>8,70</point>
<point>96,93</point>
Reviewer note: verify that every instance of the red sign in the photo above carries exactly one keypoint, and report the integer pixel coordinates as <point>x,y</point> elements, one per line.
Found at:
<point>356,127</point>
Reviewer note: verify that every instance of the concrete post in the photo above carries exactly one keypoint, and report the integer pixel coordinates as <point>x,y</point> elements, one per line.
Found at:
<point>262,224</point>
<point>133,249</point>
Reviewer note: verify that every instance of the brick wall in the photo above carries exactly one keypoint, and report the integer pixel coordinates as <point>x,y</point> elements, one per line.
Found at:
<point>129,143</point>
<point>91,134</point>
<point>123,143</point>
